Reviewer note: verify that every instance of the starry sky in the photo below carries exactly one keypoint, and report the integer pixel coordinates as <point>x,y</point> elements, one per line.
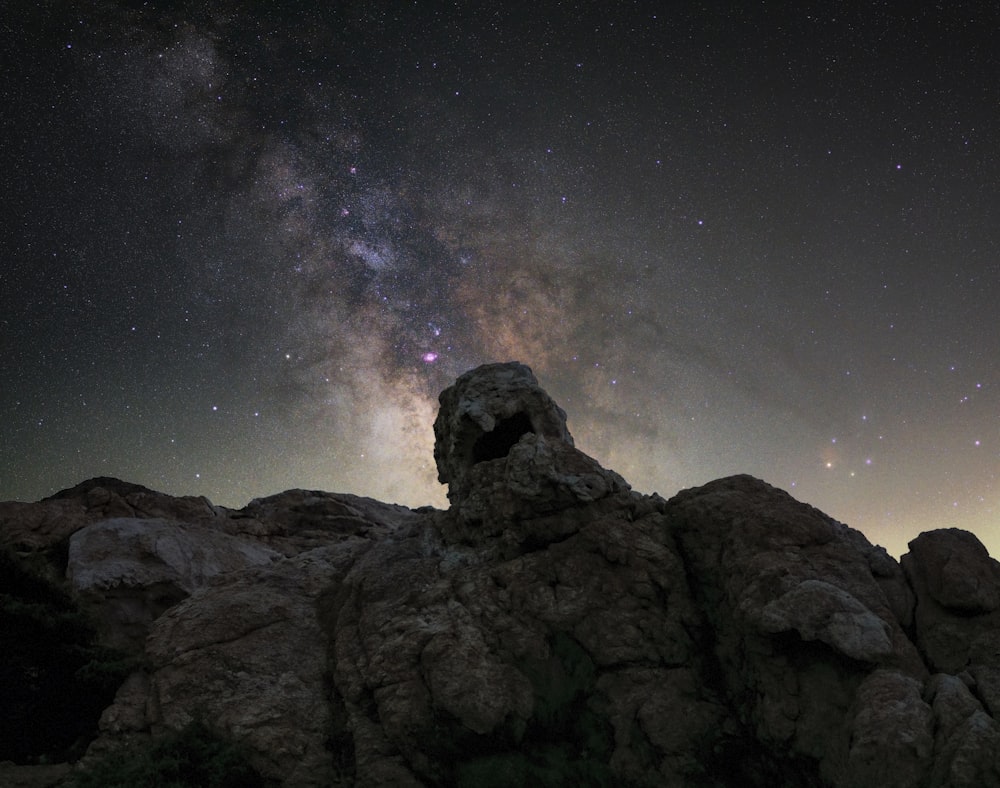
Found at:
<point>243,250</point>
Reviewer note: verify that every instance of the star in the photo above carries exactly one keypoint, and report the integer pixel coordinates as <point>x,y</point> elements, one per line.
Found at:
<point>331,236</point>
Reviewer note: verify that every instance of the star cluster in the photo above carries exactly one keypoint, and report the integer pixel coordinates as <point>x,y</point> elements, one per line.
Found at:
<point>244,250</point>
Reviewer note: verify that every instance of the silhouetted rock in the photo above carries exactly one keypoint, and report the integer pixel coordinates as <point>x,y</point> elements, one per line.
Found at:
<point>957,620</point>
<point>552,627</point>
<point>502,447</point>
<point>807,639</point>
<point>485,413</point>
<point>43,529</point>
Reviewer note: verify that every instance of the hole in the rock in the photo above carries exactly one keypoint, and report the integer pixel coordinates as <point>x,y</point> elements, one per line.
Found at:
<point>497,443</point>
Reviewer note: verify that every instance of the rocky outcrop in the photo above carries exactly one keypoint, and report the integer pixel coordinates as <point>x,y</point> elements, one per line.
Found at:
<point>127,571</point>
<point>957,618</point>
<point>577,652</point>
<point>247,654</point>
<point>40,531</point>
<point>503,449</point>
<point>485,414</point>
<point>551,627</point>
<point>808,629</point>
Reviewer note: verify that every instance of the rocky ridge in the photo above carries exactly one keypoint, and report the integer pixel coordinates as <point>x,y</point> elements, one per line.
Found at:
<point>551,627</point>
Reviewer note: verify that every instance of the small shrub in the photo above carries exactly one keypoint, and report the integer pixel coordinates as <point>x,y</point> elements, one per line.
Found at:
<point>55,679</point>
<point>193,757</point>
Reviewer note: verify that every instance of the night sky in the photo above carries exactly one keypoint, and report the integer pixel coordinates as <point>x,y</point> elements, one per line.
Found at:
<point>242,252</point>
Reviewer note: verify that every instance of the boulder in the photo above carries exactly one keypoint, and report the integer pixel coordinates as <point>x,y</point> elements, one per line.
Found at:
<point>483,416</point>
<point>954,570</point>
<point>957,620</point>
<point>582,652</point>
<point>502,447</point>
<point>248,655</point>
<point>805,636</point>
<point>295,521</point>
<point>128,571</point>
<point>39,532</point>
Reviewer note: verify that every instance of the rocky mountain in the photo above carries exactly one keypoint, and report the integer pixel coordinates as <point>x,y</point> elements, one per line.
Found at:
<point>552,627</point>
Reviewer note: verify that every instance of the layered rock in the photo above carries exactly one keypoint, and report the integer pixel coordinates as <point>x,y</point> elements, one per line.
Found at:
<point>552,627</point>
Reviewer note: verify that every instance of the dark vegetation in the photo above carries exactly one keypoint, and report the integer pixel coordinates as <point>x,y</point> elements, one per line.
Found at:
<point>193,757</point>
<point>55,679</point>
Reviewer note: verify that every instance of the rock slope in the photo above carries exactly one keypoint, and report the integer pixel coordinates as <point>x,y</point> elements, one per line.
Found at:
<point>552,627</point>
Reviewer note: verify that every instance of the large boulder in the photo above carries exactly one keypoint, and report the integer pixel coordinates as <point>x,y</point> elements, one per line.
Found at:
<point>502,447</point>
<point>957,622</point>
<point>248,655</point>
<point>128,571</point>
<point>39,532</point>
<point>245,648</point>
<point>483,416</point>
<point>804,616</point>
<point>577,655</point>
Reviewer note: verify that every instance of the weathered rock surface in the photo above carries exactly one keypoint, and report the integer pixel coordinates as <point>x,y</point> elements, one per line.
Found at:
<point>503,449</point>
<point>552,627</point>
<point>128,571</point>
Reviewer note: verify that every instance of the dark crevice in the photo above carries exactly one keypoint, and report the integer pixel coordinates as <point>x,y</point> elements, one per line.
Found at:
<point>502,438</point>
<point>912,631</point>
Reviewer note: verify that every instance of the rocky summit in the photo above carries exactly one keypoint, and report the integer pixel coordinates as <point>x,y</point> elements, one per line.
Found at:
<point>552,627</point>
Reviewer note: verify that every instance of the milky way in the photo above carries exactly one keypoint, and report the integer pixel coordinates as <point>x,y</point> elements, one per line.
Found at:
<point>243,252</point>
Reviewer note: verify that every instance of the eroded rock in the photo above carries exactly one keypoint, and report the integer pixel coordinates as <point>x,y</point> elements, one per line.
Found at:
<point>128,571</point>
<point>584,649</point>
<point>551,627</point>
<point>502,447</point>
<point>485,413</point>
<point>955,571</point>
<point>800,622</point>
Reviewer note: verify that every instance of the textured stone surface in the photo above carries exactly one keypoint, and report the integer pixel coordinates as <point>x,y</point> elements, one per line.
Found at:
<point>956,571</point>
<point>957,622</point>
<point>40,531</point>
<point>250,656</point>
<point>482,417</point>
<point>817,610</point>
<point>129,570</point>
<point>299,520</point>
<point>801,625</point>
<point>552,627</point>
<point>955,583</point>
<point>502,447</point>
<point>576,648</point>
<point>13,775</point>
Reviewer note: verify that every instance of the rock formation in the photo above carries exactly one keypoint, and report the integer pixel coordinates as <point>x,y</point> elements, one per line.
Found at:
<point>552,627</point>
<point>502,447</point>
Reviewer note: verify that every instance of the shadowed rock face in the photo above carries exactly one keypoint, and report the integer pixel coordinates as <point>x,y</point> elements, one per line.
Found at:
<point>110,561</point>
<point>552,627</point>
<point>502,447</point>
